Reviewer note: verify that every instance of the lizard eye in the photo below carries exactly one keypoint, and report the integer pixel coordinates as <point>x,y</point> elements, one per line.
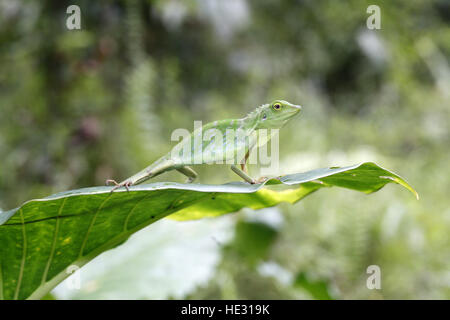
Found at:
<point>277,106</point>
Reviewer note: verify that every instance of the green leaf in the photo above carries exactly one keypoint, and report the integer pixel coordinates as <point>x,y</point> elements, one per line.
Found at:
<point>41,238</point>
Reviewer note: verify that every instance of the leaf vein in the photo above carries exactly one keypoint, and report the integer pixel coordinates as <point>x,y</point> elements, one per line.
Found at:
<point>55,237</point>
<point>91,225</point>
<point>24,256</point>
<point>125,224</point>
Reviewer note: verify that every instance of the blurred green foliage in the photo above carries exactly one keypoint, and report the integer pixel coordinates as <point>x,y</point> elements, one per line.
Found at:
<point>252,240</point>
<point>78,107</point>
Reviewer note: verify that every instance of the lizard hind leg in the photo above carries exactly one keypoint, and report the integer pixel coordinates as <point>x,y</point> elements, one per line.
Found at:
<point>160,166</point>
<point>188,172</point>
<point>125,184</point>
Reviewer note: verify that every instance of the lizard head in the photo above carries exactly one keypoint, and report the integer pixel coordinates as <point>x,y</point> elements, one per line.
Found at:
<point>276,114</point>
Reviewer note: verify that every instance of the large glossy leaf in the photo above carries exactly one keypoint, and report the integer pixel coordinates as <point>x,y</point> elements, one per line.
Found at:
<point>43,237</point>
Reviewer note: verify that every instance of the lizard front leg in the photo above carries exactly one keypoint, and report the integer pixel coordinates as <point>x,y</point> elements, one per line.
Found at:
<point>242,174</point>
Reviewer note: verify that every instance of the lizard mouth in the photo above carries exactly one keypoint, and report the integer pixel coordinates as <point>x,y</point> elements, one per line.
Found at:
<point>295,110</point>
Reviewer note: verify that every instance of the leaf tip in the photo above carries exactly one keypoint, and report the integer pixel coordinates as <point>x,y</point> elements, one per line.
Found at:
<point>403,183</point>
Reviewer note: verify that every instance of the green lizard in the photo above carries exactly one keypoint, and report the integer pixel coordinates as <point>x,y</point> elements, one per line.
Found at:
<point>226,141</point>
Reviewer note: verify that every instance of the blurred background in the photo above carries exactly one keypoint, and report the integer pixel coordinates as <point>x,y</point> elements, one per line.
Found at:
<point>78,107</point>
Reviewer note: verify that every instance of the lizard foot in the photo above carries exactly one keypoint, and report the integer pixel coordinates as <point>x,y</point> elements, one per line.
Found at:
<point>261,179</point>
<point>125,184</point>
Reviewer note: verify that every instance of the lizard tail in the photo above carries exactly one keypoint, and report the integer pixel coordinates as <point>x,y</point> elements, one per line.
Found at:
<point>159,166</point>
